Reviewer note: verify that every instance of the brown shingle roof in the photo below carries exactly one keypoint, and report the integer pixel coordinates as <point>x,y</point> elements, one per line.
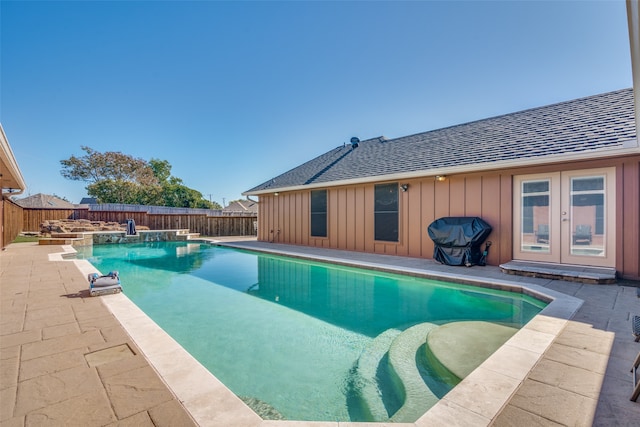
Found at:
<point>44,201</point>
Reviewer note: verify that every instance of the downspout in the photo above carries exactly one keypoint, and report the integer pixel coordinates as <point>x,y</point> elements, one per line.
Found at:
<point>633,20</point>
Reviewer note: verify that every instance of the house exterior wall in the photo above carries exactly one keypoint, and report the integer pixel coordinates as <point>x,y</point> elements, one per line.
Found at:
<point>285,217</point>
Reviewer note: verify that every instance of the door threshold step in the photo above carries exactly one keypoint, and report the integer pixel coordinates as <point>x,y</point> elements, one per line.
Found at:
<point>571,273</point>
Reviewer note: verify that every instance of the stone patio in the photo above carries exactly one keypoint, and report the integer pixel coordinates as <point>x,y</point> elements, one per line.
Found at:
<point>65,359</point>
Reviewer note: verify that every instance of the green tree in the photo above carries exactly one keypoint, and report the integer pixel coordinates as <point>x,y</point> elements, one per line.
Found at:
<point>111,165</point>
<point>161,169</point>
<point>113,177</point>
<point>116,191</point>
<point>173,190</point>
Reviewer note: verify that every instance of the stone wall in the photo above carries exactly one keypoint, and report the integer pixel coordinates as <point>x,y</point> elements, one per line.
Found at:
<point>83,232</point>
<point>81,226</point>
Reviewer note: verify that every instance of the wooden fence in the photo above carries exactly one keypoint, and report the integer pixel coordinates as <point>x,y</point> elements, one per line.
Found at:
<point>196,223</point>
<point>11,220</point>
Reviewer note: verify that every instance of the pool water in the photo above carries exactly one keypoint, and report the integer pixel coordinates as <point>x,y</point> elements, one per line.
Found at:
<point>289,333</point>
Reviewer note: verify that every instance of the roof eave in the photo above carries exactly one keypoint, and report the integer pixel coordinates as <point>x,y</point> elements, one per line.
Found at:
<point>14,180</point>
<point>631,147</point>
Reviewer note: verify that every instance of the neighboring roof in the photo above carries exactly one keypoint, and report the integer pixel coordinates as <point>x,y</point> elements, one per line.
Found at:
<point>10,175</point>
<point>583,128</point>
<point>89,201</point>
<point>44,201</point>
<point>241,206</point>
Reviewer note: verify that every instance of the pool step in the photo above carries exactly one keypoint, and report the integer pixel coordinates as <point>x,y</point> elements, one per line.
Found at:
<point>400,345</point>
<point>460,347</point>
<point>418,397</point>
<point>367,369</point>
<point>452,351</point>
<point>182,235</point>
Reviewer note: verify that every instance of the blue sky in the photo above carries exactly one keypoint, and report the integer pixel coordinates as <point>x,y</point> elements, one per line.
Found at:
<point>235,93</point>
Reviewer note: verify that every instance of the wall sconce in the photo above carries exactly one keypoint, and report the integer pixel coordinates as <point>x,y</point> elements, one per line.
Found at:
<point>276,194</point>
<point>440,178</point>
<point>404,187</point>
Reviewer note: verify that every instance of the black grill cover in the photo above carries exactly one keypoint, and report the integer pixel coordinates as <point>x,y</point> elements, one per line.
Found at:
<point>458,240</point>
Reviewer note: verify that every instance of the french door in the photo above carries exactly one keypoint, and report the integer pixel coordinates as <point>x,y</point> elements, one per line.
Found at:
<point>566,217</point>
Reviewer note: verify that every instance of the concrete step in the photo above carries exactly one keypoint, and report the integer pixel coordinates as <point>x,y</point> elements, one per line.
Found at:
<point>571,273</point>
<point>187,236</point>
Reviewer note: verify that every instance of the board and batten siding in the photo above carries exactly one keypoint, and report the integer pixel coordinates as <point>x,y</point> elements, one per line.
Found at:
<point>285,218</point>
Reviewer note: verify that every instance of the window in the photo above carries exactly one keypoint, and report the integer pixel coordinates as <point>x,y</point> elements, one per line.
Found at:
<point>319,213</point>
<point>386,212</point>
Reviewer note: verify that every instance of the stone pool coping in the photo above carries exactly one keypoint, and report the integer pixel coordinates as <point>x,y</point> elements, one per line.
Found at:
<point>477,400</point>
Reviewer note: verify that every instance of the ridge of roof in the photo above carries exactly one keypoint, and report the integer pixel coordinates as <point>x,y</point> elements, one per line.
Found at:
<point>498,116</point>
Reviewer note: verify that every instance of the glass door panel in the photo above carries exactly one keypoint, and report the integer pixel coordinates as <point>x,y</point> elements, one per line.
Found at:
<point>588,217</point>
<point>536,216</point>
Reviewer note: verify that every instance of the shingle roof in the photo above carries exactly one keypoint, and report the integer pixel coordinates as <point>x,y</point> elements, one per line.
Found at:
<point>585,125</point>
<point>44,201</point>
<point>241,206</point>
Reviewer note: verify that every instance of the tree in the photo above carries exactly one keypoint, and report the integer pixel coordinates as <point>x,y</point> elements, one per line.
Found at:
<point>111,165</point>
<point>114,177</point>
<point>161,169</point>
<point>117,191</point>
<point>174,192</point>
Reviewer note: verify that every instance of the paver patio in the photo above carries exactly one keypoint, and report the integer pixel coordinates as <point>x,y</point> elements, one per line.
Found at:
<point>66,360</point>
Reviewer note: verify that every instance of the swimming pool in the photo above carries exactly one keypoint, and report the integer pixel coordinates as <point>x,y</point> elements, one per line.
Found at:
<point>291,333</point>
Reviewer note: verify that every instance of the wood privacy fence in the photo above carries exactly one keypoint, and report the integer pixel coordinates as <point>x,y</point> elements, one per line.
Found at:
<point>206,225</point>
<point>11,220</point>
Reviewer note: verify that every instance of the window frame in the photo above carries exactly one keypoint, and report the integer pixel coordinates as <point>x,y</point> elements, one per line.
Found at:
<point>387,230</point>
<point>317,214</point>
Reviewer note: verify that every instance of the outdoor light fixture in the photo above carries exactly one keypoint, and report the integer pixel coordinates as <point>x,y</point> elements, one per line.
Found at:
<point>440,178</point>
<point>276,194</point>
<point>404,187</point>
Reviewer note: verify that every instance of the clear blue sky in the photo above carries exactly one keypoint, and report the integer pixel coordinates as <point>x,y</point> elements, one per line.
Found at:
<point>235,93</point>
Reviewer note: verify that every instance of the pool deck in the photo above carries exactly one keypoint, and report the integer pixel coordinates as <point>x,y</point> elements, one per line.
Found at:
<point>70,359</point>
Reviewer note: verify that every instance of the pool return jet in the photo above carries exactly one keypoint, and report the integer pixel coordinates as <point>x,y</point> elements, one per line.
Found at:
<point>101,285</point>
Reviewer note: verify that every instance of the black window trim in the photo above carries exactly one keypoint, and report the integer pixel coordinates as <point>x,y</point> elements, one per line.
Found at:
<point>393,233</point>
<point>314,215</point>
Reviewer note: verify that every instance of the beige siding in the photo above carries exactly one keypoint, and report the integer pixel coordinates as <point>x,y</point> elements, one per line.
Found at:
<point>488,195</point>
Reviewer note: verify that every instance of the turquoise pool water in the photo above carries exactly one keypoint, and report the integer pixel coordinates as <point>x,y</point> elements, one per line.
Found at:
<point>288,332</point>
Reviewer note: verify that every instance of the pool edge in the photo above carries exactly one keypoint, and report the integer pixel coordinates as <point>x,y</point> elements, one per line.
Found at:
<point>210,402</point>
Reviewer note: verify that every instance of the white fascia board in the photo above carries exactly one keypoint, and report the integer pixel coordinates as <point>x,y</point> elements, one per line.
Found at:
<point>631,148</point>
<point>10,161</point>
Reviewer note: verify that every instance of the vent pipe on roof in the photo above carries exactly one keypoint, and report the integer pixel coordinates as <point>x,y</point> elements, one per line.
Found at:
<point>354,142</point>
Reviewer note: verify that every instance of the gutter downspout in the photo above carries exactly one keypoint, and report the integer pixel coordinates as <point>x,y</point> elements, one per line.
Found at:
<point>633,20</point>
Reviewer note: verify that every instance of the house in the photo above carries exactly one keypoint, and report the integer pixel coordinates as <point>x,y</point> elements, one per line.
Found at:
<point>558,184</point>
<point>88,201</point>
<point>44,201</point>
<point>244,206</point>
<point>11,184</point>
